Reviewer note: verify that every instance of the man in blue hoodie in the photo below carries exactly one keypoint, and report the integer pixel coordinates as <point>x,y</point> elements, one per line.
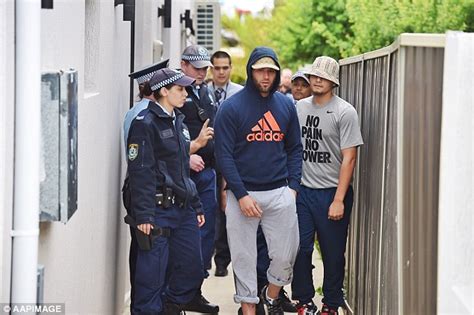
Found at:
<point>258,149</point>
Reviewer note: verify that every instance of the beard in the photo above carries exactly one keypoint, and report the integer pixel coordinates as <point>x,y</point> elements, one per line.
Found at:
<point>263,89</point>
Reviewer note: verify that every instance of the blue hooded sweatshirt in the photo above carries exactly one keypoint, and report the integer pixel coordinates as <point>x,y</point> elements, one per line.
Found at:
<point>258,142</point>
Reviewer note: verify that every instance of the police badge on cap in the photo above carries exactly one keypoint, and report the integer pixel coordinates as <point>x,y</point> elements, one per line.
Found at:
<point>198,56</point>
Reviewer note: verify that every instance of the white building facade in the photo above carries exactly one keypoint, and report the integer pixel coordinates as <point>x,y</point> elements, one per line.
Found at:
<point>85,257</point>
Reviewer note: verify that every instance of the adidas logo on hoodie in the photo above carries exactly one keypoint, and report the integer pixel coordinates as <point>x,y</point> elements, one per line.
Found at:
<point>266,129</point>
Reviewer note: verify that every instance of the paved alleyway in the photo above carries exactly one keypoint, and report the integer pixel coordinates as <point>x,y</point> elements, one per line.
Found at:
<point>221,289</point>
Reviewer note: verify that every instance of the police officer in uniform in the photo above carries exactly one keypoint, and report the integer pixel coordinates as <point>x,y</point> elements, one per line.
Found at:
<point>142,77</point>
<point>199,107</point>
<point>165,209</point>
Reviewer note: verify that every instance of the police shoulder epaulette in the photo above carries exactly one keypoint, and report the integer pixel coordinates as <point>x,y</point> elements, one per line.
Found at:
<point>141,115</point>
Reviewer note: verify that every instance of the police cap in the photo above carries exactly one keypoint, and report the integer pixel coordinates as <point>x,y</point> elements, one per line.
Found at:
<point>197,55</point>
<point>166,76</point>
<point>145,74</point>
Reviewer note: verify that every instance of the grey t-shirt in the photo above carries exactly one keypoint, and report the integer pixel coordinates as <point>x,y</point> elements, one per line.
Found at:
<point>325,131</point>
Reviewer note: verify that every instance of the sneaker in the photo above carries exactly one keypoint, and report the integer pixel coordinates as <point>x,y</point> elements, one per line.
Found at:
<point>287,305</point>
<point>329,310</point>
<point>307,309</point>
<point>273,307</point>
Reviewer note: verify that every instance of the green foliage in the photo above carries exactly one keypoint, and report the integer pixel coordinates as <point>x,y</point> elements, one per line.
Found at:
<point>303,29</point>
<point>376,23</point>
<point>319,291</point>
<point>300,30</point>
<point>469,14</point>
<point>252,32</point>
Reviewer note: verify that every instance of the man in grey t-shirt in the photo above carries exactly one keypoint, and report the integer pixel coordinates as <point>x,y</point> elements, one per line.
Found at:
<point>330,135</point>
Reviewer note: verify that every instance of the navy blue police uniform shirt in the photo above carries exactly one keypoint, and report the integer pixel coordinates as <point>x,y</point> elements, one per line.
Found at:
<point>158,157</point>
<point>195,123</point>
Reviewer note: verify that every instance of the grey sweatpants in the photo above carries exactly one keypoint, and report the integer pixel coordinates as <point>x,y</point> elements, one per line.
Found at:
<point>280,227</point>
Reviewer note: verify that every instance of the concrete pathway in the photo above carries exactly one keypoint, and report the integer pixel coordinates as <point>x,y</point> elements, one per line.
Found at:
<point>220,290</point>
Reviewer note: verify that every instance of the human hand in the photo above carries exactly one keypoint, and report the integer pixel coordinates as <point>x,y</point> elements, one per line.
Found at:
<point>336,210</point>
<point>250,207</point>
<point>196,163</point>
<point>201,219</point>
<point>145,228</point>
<point>294,192</point>
<point>206,134</point>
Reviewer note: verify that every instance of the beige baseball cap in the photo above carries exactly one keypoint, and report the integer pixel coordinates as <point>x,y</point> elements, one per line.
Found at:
<point>326,68</point>
<point>265,62</point>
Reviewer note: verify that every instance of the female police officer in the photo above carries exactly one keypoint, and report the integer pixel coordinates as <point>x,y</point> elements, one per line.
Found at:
<point>165,206</point>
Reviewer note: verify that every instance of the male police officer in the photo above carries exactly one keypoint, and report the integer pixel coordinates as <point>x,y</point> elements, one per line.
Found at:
<point>199,107</point>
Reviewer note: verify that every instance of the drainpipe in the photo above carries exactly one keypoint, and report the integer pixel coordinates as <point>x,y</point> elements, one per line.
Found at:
<point>27,151</point>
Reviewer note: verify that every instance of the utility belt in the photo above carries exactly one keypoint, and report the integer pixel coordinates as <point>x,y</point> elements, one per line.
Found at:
<point>145,242</point>
<point>166,198</point>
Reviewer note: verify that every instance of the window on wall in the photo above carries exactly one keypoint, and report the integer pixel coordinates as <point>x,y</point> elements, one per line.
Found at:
<point>91,45</point>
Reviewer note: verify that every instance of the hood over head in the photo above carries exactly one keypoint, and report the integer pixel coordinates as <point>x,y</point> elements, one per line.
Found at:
<point>257,54</point>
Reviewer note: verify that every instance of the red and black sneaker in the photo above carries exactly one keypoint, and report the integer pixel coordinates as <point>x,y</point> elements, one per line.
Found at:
<point>329,310</point>
<point>307,309</point>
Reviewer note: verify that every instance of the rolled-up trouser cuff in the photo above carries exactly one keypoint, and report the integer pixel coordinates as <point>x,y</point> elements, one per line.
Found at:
<point>246,299</point>
<point>278,282</point>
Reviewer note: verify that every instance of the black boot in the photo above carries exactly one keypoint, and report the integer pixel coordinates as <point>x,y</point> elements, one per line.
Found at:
<point>173,309</point>
<point>221,271</point>
<point>201,305</point>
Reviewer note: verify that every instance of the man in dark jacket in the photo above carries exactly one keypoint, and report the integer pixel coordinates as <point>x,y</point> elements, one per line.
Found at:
<point>200,110</point>
<point>258,149</point>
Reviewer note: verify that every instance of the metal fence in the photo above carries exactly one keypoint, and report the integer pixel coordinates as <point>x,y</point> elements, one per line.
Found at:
<point>392,248</point>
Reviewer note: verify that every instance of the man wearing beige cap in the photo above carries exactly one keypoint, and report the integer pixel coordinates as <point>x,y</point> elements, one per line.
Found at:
<point>258,150</point>
<point>330,135</point>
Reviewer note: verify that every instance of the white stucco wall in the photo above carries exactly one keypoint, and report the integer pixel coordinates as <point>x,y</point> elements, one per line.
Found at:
<point>86,259</point>
<point>174,37</point>
<point>6,142</point>
<point>456,219</point>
